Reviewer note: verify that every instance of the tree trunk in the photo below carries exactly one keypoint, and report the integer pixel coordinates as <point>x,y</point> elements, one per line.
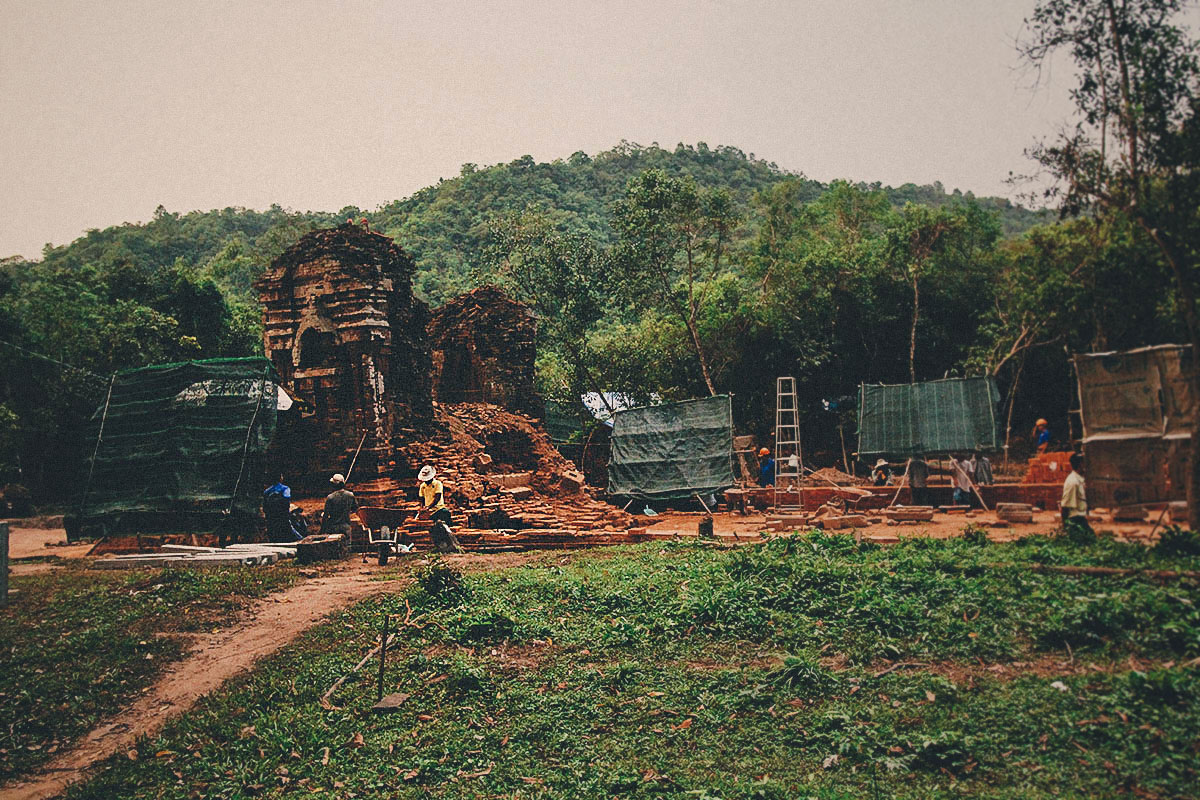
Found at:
<point>912,341</point>
<point>1012,402</point>
<point>691,326</point>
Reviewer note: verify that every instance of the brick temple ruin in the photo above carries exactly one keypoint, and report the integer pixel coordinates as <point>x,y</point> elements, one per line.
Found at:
<point>454,388</point>
<point>484,351</point>
<point>347,335</point>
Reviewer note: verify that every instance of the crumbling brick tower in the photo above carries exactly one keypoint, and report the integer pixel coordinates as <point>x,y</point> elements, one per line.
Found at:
<point>484,350</point>
<point>345,332</point>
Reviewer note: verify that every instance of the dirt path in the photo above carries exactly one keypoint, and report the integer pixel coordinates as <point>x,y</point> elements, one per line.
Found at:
<point>33,542</point>
<point>267,626</point>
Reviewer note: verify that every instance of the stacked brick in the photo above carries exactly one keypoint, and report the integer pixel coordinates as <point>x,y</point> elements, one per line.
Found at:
<point>1048,468</point>
<point>483,346</point>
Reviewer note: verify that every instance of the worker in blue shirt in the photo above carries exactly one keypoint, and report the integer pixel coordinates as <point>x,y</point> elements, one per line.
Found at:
<point>766,470</point>
<point>1041,435</point>
<point>276,506</point>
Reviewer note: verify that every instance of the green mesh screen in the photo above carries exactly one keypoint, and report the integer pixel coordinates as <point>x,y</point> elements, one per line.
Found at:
<point>672,451</point>
<point>180,446</point>
<point>956,414</point>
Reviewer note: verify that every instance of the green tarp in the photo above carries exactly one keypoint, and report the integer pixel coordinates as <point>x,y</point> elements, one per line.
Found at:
<point>672,451</point>
<point>955,414</point>
<point>180,446</point>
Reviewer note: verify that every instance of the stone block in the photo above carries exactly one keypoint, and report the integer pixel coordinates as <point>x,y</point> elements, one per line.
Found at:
<point>390,704</point>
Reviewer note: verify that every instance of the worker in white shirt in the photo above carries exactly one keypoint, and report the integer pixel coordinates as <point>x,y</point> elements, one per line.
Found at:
<point>1074,497</point>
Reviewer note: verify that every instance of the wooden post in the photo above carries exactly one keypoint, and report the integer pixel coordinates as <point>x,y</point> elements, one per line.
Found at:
<point>3,563</point>
<point>383,636</point>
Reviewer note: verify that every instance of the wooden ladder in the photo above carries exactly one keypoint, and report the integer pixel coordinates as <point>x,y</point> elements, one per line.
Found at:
<point>787,444</point>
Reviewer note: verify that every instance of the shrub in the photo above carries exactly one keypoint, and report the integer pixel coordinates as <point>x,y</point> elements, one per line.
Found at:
<point>1175,541</point>
<point>442,582</point>
<point>973,534</point>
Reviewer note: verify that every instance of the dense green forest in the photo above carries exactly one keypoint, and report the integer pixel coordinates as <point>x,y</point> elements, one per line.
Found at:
<point>672,271</point>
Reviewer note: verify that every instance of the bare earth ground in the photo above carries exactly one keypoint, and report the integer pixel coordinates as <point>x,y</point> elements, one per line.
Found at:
<point>276,620</point>
<point>733,526</point>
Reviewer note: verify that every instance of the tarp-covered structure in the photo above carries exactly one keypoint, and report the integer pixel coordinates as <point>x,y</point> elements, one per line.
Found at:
<point>945,416</point>
<point>1136,408</point>
<point>180,447</point>
<point>673,451</point>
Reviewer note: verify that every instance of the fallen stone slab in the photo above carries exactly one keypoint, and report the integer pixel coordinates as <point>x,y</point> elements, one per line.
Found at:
<point>176,560</point>
<point>390,704</point>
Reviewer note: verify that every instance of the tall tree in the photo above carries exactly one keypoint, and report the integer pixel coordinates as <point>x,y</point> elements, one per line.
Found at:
<point>563,277</point>
<point>672,239</point>
<point>1135,148</point>
<point>915,238</point>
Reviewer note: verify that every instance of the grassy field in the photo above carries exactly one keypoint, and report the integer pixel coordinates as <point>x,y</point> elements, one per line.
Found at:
<point>806,667</point>
<point>76,644</point>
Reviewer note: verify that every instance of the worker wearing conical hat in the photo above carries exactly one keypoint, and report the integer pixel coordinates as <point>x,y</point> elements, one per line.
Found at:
<point>433,504</point>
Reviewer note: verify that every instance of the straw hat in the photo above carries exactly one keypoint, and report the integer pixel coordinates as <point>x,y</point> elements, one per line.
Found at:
<point>881,463</point>
<point>426,474</point>
<point>338,479</point>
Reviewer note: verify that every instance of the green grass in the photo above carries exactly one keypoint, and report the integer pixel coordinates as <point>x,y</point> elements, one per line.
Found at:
<point>76,644</point>
<point>688,671</point>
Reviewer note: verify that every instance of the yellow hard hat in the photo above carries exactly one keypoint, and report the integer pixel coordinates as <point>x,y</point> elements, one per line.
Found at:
<point>1042,422</point>
<point>764,452</point>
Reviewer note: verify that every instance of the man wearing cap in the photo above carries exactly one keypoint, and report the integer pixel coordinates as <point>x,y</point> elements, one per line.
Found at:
<point>1041,435</point>
<point>433,502</point>
<point>766,468</point>
<point>339,505</point>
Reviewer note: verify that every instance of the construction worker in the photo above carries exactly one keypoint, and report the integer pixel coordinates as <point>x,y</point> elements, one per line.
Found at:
<point>918,481</point>
<point>881,474</point>
<point>766,468</point>
<point>275,505</point>
<point>1041,435</point>
<point>960,475</point>
<point>433,503</point>
<point>981,468</point>
<point>1074,498</point>
<point>339,505</point>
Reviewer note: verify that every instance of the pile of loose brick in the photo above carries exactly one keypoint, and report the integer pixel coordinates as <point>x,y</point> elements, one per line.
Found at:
<point>507,486</point>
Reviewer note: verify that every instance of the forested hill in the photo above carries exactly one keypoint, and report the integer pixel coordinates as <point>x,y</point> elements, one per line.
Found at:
<point>446,226</point>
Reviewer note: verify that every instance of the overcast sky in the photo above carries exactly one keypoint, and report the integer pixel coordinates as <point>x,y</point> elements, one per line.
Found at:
<point>108,109</point>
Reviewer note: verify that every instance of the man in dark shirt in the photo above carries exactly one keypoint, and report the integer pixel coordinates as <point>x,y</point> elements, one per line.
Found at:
<point>339,504</point>
<point>918,480</point>
<point>275,505</point>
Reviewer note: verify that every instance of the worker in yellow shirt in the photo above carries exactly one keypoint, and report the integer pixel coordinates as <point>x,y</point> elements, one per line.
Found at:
<point>433,503</point>
<point>1074,498</point>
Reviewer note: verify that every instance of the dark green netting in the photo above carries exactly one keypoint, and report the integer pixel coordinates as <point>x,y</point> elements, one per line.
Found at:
<point>672,451</point>
<point>563,421</point>
<point>955,414</point>
<point>180,446</point>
